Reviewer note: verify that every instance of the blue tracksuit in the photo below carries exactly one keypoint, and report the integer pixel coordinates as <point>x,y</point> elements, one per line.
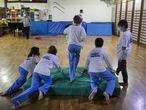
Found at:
<point>74,56</point>
<point>94,77</point>
<point>41,73</point>
<point>35,86</point>
<point>76,35</point>
<point>97,69</point>
<point>19,82</point>
<point>26,67</point>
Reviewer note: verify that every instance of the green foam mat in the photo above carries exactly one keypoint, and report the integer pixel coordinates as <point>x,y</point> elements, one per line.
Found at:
<point>80,87</point>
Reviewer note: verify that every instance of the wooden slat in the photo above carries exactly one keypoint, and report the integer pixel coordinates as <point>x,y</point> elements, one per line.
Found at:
<point>132,17</point>
<point>143,29</point>
<point>140,21</point>
<point>120,9</point>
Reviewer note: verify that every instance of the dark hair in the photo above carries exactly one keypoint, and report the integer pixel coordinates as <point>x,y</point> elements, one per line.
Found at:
<point>77,19</point>
<point>123,23</point>
<point>34,51</point>
<point>52,50</point>
<point>99,42</point>
<point>81,10</point>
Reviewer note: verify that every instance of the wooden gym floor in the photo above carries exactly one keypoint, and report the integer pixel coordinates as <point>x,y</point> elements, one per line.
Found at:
<point>13,50</point>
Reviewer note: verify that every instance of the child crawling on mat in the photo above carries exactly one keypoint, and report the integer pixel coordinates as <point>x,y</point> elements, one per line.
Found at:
<point>97,70</point>
<point>26,67</point>
<point>41,73</point>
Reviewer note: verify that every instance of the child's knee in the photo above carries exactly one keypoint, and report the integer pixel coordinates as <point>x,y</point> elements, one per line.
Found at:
<point>34,88</point>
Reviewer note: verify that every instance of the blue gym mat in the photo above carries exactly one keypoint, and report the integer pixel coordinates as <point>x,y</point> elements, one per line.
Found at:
<point>56,28</point>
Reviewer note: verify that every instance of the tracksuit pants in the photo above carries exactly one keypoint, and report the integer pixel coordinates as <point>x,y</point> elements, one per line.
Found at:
<point>35,86</point>
<point>122,66</point>
<point>108,76</point>
<point>74,56</point>
<point>27,32</point>
<point>19,82</point>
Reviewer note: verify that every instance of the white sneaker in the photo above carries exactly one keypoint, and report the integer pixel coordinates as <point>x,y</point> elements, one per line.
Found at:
<point>16,107</point>
<point>40,95</point>
<point>107,98</point>
<point>92,95</point>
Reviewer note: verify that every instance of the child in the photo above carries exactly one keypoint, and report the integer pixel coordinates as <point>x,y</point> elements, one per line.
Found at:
<point>41,73</point>
<point>96,70</point>
<point>26,67</point>
<point>123,50</point>
<point>77,35</point>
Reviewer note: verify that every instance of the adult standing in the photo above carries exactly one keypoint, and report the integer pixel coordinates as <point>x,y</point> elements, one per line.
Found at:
<point>26,25</point>
<point>81,13</point>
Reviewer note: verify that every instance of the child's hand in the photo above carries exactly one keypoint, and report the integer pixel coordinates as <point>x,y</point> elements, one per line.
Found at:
<point>85,71</point>
<point>124,54</point>
<point>113,71</point>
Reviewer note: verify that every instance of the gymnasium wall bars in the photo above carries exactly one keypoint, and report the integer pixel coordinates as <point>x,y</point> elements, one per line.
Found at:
<point>136,21</point>
<point>143,24</point>
<point>134,11</point>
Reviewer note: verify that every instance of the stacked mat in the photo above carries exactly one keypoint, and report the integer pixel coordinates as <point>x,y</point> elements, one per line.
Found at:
<point>80,87</point>
<point>57,28</point>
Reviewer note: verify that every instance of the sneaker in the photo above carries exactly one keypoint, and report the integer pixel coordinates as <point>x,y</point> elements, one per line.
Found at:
<point>40,95</point>
<point>71,81</point>
<point>92,95</point>
<point>107,98</point>
<point>15,106</point>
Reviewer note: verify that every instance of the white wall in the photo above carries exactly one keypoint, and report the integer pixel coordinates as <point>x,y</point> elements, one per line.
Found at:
<point>94,10</point>
<point>2,3</point>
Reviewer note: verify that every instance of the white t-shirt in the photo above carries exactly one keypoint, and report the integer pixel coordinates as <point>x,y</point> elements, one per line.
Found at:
<point>76,34</point>
<point>95,61</point>
<point>47,62</point>
<point>81,15</point>
<point>30,63</point>
<point>26,21</point>
<point>125,40</point>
